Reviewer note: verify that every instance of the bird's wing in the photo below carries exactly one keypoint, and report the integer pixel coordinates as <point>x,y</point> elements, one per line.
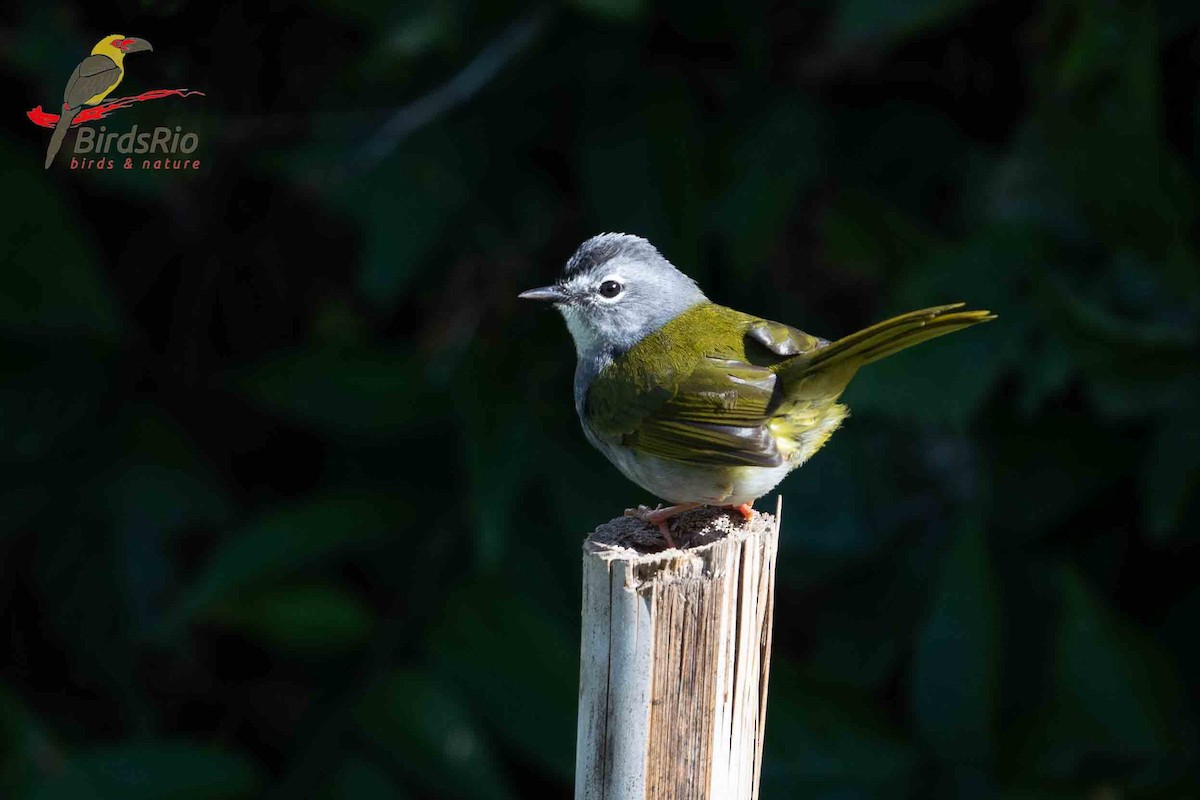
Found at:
<point>716,415</point>
<point>782,340</point>
<point>94,75</point>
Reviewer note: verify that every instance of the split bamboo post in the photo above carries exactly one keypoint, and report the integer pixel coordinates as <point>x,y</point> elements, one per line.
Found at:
<point>674,658</point>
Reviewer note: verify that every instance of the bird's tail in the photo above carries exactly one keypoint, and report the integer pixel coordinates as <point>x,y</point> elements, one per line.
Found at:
<point>849,353</point>
<point>60,130</point>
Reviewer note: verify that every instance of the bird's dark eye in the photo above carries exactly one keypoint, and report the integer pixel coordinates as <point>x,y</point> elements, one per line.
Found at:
<point>610,289</point>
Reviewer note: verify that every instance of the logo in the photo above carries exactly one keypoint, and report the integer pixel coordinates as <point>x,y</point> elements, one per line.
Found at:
<point>86,99</point>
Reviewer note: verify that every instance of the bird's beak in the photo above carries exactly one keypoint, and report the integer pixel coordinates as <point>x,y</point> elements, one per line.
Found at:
<point>548,294</point>
<point>138,45</point>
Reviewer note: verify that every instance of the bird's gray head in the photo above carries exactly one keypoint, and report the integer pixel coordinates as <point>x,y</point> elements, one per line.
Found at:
<point>616,290</point>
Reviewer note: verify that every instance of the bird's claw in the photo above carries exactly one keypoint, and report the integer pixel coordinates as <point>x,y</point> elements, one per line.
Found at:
<point>655,518</point>
<point>642,512</point>
<point>660,517</point>
<point>652,516</point>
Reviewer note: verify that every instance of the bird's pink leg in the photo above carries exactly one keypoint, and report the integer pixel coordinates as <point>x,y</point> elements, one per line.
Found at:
<point>661,516</point>
<point>665,529</point>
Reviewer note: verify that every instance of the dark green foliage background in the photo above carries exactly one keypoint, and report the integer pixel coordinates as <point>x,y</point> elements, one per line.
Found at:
<point>294,492</point>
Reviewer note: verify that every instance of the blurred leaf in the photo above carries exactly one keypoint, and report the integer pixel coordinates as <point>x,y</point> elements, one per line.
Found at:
<point>49,280</point>
<point>408,203</point>
<point>612,164</point>
<point>859,21</point>
<point>368,13</point>
<point>1030,592</point>
<point>1171,475</point>
<point>1042,473</point>
<point>776,158</point>
<point>988,270</point>
<point>153,435</point>
<point>159,487</point>
<point>75,572</point>
<point>495,492</point>
<point>1099,103</point>
<point>673,115</point>
<point>1116,697</point>
<point>419,32</point>
<point>613,9</point>
<point>905,155</point>
<point>864,623</point>
<point>947,380</point>
<point>158,771</point>
<point>863,235</point>
<point>1177,631</point>
<point>1120,398</point>
<point>956,665</point>
<point>1092,328</point>
<point>1047,368</point>
<point>1113,673</point>
<point>336,325</point>
<point>494,420</point>
<point>424,725</point>
<point>1057,791</point>
<point>355,392</point>
<point>1025,191</point>
<point>535,714</point>
<point>23,743</point>
<point>287,539</point>
<point>312,619</point>
<point>49,396</point>
<point>148,504</point>
<point>360,779</point>
<point>856,651</point>
<point>410,190</point>
<point>1135,368</point>
<point>825,741</point>
<point>1176,17</point>
<point>833,495</point>
<point>640,171</point>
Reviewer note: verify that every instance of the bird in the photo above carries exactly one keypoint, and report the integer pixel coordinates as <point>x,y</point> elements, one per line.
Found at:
<point>92,81</point>
<point>697,403</point>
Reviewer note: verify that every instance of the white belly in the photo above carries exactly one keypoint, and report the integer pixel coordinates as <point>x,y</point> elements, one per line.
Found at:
<point>677,482</point>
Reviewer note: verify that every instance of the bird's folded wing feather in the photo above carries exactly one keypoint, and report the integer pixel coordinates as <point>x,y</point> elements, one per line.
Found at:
<point>783,340</point>
<point>716,415</point>
<point>94,75</point>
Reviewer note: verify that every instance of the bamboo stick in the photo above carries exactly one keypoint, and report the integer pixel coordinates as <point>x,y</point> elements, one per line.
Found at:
<point>674,658</point>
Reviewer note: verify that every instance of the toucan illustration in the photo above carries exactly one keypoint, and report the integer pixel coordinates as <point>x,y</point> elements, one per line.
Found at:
<point>91,82</point>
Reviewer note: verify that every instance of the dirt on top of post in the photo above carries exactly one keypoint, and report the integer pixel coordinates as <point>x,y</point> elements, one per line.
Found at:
<point>690,530</point>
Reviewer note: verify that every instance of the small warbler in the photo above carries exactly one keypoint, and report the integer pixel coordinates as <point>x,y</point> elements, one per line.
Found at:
<point>697,403</point>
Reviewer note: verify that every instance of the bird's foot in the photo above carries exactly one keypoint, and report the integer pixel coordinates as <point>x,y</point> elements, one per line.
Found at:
<point>745,509</point>
<point>661,517</point>
<point>658,514</point>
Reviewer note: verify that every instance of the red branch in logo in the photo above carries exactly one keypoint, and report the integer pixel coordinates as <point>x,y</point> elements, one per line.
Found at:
<point>47,120</point>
